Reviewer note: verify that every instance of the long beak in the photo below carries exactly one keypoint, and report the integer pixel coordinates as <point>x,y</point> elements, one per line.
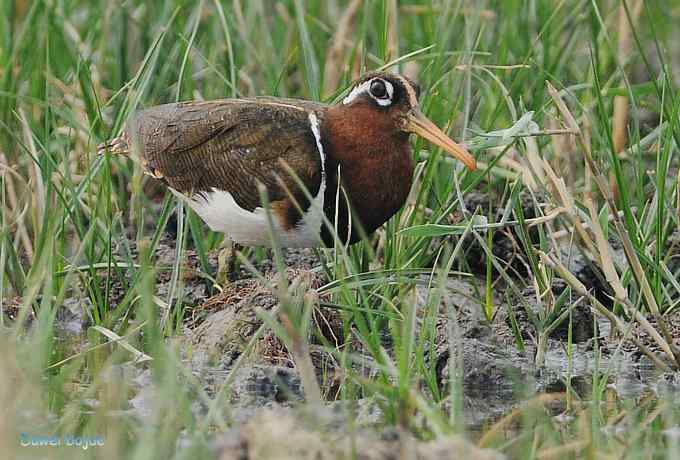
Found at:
<point>418,124</point>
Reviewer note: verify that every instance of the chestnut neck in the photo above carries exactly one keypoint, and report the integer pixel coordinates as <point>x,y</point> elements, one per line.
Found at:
<point>375,162</point>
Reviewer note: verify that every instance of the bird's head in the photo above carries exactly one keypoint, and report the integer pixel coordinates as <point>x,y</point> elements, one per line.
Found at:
<point>396,96</point>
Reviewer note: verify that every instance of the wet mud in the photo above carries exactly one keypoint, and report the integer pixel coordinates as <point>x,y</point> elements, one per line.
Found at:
<point>223,340</point>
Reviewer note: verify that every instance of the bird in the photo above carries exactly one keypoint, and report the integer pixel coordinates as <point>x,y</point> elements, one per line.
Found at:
<point>305,171</point>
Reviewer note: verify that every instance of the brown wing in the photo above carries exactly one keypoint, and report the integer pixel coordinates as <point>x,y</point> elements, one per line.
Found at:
<point>232,145</point>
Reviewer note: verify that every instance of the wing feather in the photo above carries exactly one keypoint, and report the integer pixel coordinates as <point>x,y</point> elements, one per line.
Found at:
<point>231,145</point>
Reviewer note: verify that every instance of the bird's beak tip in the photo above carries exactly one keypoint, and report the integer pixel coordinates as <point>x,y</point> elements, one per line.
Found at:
<point>419,124</point>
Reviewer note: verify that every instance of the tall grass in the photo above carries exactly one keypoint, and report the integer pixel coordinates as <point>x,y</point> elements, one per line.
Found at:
<point>530,85</point>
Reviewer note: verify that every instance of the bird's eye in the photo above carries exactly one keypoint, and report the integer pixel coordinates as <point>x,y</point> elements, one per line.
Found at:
<point>378,89</point>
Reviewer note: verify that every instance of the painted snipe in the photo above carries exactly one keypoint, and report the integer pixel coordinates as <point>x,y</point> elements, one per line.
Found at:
<point>214,154</point>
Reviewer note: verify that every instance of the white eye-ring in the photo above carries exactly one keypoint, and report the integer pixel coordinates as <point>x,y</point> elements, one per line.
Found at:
<point>381,91</point>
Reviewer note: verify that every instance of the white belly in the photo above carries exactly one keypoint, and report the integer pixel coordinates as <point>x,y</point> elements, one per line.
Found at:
<point>220,211</point>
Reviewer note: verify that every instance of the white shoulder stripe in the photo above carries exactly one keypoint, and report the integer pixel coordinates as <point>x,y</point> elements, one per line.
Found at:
<point>314,122</point>
<point>313,219</point>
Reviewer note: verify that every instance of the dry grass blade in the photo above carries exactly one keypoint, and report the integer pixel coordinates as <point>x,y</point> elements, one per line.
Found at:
<point>604,252</point>
<point>437,9</point>
<point>535,170</point>
<point>36,179</point>
<point>658,410</point>
<point>568,118</point>
<point>566,233</point>
<point>306,298</point>
<point>392,30</point>
<point>13,203</point>
<point>563,450</point>
<point>565,149</point>
<point>335,56</point>
<point>567,202</point>
<point>631,256</point>
<point>614,320</point>
<point>504,423</point>
<point>621,107</point>
<point>140,357</point>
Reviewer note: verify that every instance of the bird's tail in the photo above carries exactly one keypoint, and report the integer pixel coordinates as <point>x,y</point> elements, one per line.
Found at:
<point>118,145</point>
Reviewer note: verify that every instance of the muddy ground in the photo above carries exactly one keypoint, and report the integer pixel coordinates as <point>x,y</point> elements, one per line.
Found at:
<point>267,391</point>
